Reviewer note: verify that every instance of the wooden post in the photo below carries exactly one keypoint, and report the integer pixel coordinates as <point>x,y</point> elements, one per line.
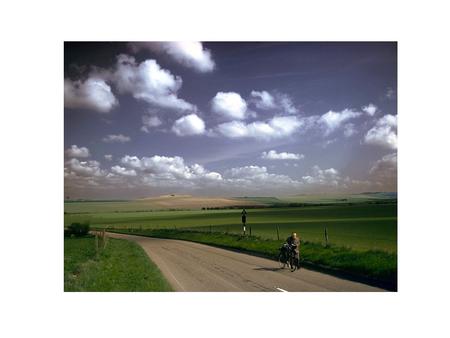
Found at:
<point>105,239</point>
<point>278,233</point>
<point>250,229</point>
<point>326,237</point>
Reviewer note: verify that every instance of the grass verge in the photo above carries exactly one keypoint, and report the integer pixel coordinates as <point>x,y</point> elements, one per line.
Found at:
<point>373,267</point>
<point>121,266</point>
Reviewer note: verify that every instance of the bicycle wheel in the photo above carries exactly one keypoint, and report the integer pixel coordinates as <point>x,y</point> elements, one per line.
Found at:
<point>292,264</point>
<point>281,261</point>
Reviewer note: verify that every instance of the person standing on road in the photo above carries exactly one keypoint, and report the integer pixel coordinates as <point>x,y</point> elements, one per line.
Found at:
<point>244,218</point>
<point>294,241</point>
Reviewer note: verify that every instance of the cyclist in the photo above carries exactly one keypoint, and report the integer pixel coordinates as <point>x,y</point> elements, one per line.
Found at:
<point>294,243</point>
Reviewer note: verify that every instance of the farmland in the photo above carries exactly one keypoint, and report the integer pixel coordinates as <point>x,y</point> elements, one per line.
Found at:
<point>361,225</point>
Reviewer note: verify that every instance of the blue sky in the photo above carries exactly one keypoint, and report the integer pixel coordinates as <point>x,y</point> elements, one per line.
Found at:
<point>234,119</point>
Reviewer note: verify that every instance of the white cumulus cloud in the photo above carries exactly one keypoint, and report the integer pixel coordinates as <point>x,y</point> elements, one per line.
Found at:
<point>75,151</point>
<point>189,125</point>
<point>384,133</point>
<point>150,121</point>
<point>332,120</point>
<point>370,109</point>
<point>263,99</point>
<point>119,138</point>
<point>286,104</point>
<point>266,101</point>
<point>149,82</point>
<point>230,105</point>
<point>191,54</point>
<point>92,94</point>
<point>273,155</point>
<point>277,127</point>
<point>108,157</point>
<point>85,168</point>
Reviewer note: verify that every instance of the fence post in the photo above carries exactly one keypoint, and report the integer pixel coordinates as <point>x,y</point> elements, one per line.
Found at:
<point>104,238</point>
<point>326,237</point>
<point>278,233</point>
<point>250,229</point>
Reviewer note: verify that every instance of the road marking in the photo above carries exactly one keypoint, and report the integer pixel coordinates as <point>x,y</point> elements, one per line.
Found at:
<point>282,290</point>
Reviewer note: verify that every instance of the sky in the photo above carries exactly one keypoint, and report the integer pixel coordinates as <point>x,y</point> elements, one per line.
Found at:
<point>229,119</point>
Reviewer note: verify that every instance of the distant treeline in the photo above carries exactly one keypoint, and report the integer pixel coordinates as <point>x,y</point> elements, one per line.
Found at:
<point>299,205</point>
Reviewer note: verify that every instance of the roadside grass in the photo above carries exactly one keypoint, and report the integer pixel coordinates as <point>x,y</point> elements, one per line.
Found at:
<point>121,266</point>
<point>359,234</point>
<point>372,266</point>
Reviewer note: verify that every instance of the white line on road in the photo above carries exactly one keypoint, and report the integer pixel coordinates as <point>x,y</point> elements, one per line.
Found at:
<point>282,290</point>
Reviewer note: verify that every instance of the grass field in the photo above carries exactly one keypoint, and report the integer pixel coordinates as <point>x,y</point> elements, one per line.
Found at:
<point>165,202</point>
<point>121,266</point>
<point>361,226</point>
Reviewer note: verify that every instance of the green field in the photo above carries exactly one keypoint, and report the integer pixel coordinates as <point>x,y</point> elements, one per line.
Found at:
<point>361,226</point>
<point>121,266</point>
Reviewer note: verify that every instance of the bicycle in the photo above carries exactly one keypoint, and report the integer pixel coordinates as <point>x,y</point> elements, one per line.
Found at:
<point>288,257</point>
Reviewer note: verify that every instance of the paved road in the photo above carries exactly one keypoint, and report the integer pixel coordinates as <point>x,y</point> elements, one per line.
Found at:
<point>196,267</point>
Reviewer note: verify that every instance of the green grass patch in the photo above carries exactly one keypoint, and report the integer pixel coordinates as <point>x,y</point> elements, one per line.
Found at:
<point>362,226</point>
<point>121,266</point>
<point>375,266</point>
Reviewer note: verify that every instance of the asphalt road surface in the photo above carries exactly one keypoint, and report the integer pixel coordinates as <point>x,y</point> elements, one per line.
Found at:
<point>192,266</point>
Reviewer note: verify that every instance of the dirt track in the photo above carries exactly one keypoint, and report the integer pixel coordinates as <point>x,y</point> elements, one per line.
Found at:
<point>196,267</point>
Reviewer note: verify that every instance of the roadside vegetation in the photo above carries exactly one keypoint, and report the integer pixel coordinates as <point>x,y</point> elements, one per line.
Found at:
<point>111,265</point>
<point>373,266</point>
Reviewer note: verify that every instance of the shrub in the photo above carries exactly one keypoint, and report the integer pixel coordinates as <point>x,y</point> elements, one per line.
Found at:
<point>78,229</point>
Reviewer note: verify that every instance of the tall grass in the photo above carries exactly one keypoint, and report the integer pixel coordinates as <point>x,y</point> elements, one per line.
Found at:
<point>118,266</point>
